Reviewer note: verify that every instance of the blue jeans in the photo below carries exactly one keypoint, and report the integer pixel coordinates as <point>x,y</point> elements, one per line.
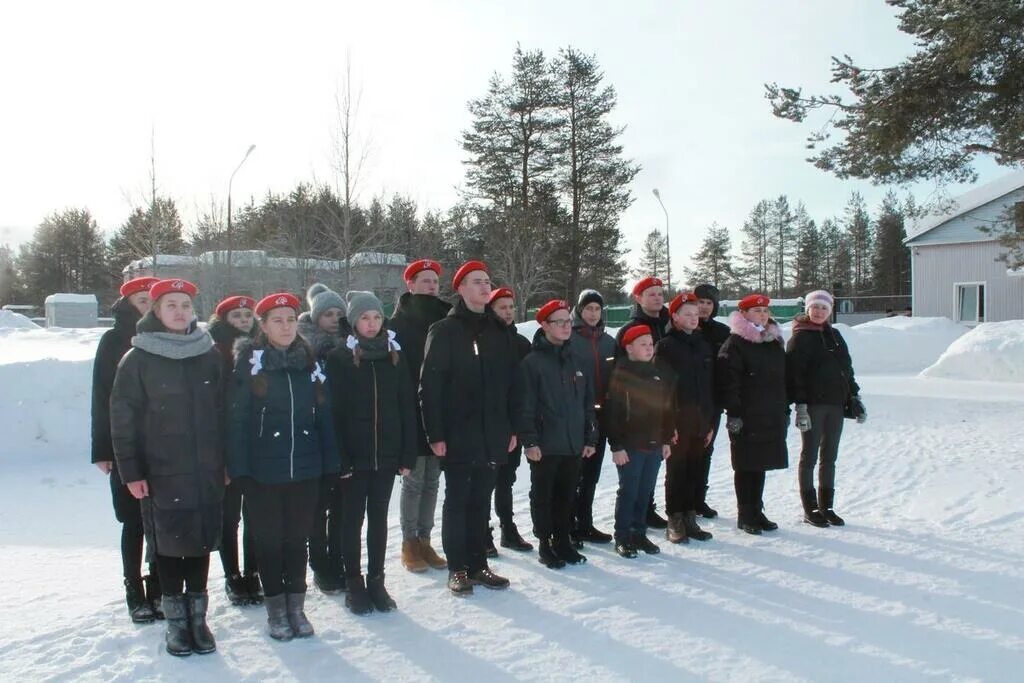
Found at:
<point>637,480</point>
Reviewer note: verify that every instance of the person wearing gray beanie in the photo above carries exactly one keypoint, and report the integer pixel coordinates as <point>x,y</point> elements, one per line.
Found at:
<point>359,303</point>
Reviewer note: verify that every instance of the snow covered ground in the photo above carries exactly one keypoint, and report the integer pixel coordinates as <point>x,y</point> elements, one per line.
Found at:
<point>925,583</point>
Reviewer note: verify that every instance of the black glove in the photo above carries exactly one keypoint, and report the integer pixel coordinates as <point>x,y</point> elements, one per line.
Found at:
<point>734,425</point>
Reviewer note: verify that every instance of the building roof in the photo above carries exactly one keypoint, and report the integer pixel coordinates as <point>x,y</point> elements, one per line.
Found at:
<point>258,258</point>
<point>979,196</point>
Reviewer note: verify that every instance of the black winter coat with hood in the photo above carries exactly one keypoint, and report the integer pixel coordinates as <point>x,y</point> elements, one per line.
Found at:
<point>555,408</point>
<point>688,361</point>
<point>465,390</point>
<point>167,427</point>
<point>818,365</point>
<point>114,343</point>
<point>413,316</point>
<point>594,350</point>
<point>224,337</point>
<point>659,327</point>
<point>639,408</point>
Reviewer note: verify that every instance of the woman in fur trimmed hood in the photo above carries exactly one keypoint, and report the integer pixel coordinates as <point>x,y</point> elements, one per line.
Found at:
<point>752,382</point>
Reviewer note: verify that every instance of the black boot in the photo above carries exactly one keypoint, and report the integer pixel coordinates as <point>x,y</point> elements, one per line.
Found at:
<point>357,599</point>
<point>459,583</point>
<point>295,603</point>
<point>488,579</point>
<point>692,529</point>
<point>511,539</point>
<point>676,531</point>
<point>548,557</point>
<point>382,602</point>
<point>139,608</point>
<point>766,524</point>
<point>591,534</point>
<point>491,550</point>
<point>328,582</point>
<point>641,542</point>
<point>624,548</point>
<point>153,594</point>
<point>237,590</point>
<point>812,515</point>
<point>825,499</point>
<point>202,639</point>
<point>748,520</point>
<point>253,587</point>
<point>177,638</point>
<point>703,509</point>
<point>567,552</point>
<point>278,625</point>
<point>654,520</point>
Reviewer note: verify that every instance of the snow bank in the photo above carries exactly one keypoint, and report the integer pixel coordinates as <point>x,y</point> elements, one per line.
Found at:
<point>991,352</point>
<point>899,344</point>
<point>56,343</point>
<point>12,320</point>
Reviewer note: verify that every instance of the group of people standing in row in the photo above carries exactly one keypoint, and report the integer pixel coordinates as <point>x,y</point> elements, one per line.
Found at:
<point>298,423</point>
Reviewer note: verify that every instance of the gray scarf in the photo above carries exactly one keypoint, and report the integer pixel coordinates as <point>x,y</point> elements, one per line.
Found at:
<point>154,339</point>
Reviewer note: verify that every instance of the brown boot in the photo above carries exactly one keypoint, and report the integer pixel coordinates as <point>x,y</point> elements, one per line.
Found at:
<point>430,556</point>
<point>412,555</point>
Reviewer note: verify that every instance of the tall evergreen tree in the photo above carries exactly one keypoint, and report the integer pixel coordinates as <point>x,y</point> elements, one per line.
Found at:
<point>9,281</point>
<point>836,259</point>
<point>755,251</point>
<point>66,254</point>
<point>781,244</point>
<point>858,228</point>
<point>152,231</point>
<point>811,263</point>
<point>653,257</point>
<point>713,261</point>
<point>891,259</point>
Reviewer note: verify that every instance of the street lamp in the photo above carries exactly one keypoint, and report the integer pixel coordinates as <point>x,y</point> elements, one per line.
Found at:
<point>230,234</point>
<point>668,249</point>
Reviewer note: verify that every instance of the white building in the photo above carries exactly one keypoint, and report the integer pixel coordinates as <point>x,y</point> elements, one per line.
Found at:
<point>954,256</point>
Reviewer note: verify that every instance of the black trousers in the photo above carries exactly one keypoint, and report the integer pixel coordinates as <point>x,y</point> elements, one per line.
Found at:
<point>553,481</point>
<point>236,508</point>
<point>823,437</point>
<point>466,513</point>
<point>129,513</point>
<point>178,574</point>
<point>325,538</point>
<point>706,460</point>
<point>366,495</point>
<point>749,488</point>
<point>505,479</point>
<point>683,474</point>
<point>586,485</point>
<point>282,518</point>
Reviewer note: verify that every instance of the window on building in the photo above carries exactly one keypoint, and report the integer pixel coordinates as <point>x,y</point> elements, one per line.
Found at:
<point>970,302</point>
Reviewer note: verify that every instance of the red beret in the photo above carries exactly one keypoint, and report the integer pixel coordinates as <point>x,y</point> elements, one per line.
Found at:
<point>550,307</point>
<point>279,300</point>
<point>417,267</point>
<point>500,293</point>
<point>683,298</point>
<point>631,335</point>
<point>139,284</point>
<point>646,283</point>
<point>233,302</point>
<point>752,300</point>
<point>465,269</point>
<point>169,286</point>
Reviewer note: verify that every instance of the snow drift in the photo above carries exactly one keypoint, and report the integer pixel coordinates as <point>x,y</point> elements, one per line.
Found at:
<point>992,352</point>
<point>15,321</point>
<point>899,344</point>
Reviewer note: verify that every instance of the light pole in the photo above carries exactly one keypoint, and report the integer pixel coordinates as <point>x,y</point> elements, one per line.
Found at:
<point>230,234</point>
<point>668,249</point>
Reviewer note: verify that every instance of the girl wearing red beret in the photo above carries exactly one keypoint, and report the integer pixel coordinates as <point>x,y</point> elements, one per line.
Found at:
<point>166,429</point>
<point>752,380</point>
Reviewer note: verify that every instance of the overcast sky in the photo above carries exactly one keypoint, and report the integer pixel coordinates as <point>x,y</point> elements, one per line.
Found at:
<point>83,86</point>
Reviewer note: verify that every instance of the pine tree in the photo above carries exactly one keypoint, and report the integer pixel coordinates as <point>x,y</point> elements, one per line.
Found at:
<point>781,244</point>
<point>653,257</point>
<point>891,261</point>
<point>713,261</point>
<point>66,254</point>
<point>147,233</point>
<point>9,281</point>
<point>811,260</point>
<point>755,254</point>
<point>836,260</point>
<point>858,229</point>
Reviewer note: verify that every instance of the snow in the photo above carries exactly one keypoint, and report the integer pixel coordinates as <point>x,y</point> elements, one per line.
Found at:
<point>899,344</point>
<point>9,320</point>
<point>926,581</point>
<point>65,298</point>
<point>991,352</point>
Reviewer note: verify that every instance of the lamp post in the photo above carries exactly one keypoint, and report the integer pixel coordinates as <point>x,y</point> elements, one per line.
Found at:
<point>230,234</point>
<point>668,249</point>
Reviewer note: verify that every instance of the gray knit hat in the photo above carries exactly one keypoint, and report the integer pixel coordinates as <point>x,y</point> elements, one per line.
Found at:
<point>361,302</point>
<point>321,298</point>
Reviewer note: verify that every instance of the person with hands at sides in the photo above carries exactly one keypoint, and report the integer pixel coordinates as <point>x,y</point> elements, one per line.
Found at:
<point>465,394</point>
<point>752,385</point>
<point>281,445</point>
<point>375,418</point>
<point>639,419</point>
<point>166,426</point>
<point>556,423</point>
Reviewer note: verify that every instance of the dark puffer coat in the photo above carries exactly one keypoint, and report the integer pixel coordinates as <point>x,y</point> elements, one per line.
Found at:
<point>281,428</point>
<point>594,350</point>
<point>659,327</point>
<point>114,343</point>
<point>166,421</point>
<point>465,390</point>
<point>413,316</point>
<point>688,361</point>
<point>374,409</point>
<point>639,407</point>
<point>752,382</point>
<point>818,365</point>
<point>555,408</point>
<point>224,337</point>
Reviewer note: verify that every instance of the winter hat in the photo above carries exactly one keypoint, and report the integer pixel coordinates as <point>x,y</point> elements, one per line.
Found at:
<point>819,296</point>
<point>587,297</point>
<point>634,333</point>
<point>279,300</point>
<point>320,298</point>
<point>707,291</point>
<point>361,302</point>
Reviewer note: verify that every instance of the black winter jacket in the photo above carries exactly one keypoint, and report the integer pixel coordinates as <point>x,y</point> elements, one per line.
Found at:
<point>594,350</point>
<point>752,377</point>
<point>224,337</point>
<point>281,428</point>
<point>413,316</point>
<point>322,342</point>
<point>465,389</point>
<point>659,327</point>
<point>114,343</point>
<point>639,408</point>
<point>556,401</point>
<point>166,422</point>
<point>374,409</point>
<point>818,365</point>
<point>688,361</point>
